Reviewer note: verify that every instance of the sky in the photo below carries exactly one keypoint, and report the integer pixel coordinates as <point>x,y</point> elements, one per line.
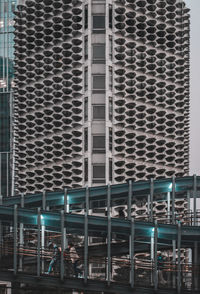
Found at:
<point>194,6</point>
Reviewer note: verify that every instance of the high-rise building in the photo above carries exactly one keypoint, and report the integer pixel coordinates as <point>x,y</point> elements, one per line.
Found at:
<point>6,94</point>
<point>102,92</point>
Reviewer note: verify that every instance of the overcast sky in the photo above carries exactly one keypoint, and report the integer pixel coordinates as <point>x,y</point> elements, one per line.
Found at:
<point>194,6</point>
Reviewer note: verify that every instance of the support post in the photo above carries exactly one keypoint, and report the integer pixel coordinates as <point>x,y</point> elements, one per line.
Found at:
<point>62,245</point>
<point>196,266</point>
<point>130,193</point>
<point>195,199</point>
<point>1,229</point>
<point>173,199</point>
<point>188,208</point>
<point>168,206</point>
<point>38,238</point>
<point>151,199</point>
<point>43,231</point>
<point>44,200</point>
<point>179,258</point>
<point>86,234</point>
<point>155,256</point>
<point>131,252</point>
<point>108,236</point>
<point>174,263</point>
<point>148,206</point>
<point>21,236</point>
<point>65,211</point>
<point>15,239</point>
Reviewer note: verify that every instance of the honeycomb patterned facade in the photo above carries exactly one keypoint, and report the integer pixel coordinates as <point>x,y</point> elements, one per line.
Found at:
<point>101,92</point>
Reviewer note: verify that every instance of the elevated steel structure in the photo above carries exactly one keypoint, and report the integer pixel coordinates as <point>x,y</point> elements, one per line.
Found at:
<point>39,215</point>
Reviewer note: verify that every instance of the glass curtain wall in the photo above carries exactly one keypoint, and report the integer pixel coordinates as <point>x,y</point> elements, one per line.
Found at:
<point>6,83</point>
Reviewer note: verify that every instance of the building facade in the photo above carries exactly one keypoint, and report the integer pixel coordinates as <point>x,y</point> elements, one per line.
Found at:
<point>102,92</point>
<point>6,93</point>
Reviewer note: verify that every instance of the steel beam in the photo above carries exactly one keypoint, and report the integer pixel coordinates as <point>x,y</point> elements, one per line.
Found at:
<point>38,241</point>
<point>15,240</point>
<point>44,200</point>
<point>1,228</point>
<point>155,255</point>
<point>173,199</point>
<point>130,193</point>
<point>151,198</point>
<point>195,199</point>
<point>179,258</point>
<point>21,235</point>
<point>131,252</point>
<point>108,237</point>
<point>62,245</point>
<point>86,235</point>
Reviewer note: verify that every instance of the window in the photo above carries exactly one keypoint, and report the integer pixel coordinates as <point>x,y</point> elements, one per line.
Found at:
<point>110,47</point>
<point>85,140</point>
<point>98,53</point>
<point>110,139</point>
<point>98,173</point>
<point>86,109</point>
<point>98,111</point>
<point>99,82</point>
<point>110,17</point>
<point>86,169</point>
<point>86,17</point>
<point>98,23</point>
<point>86,48</point>
<point>86,79</point>
<point>99,144</point>
<point>110,108</point>
<point>110,169</point>
<point>110,78</point>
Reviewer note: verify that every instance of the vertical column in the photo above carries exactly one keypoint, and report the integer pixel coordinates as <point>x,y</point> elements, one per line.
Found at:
<point>179,258</point>
<point>86,234</point>
<point>195,199</point>
<point>168,206</point>
<point>15,240</point>
<point>38,238</point>
<point>195,223</point>
<point>62,215</point>
<point>173,199</point>
<point>21,236</point>
<point>1,228</point>
<point>148,206</point>
<point>130,193</point>
<point>155,256</point>
<point>66,210</point>
<point>188,208</point>
<point>0,172</point>
<point>151,199</point>
<point>195,265</point>
<point>131,252</point>
<point>108,237</point>
<point>43,230</point>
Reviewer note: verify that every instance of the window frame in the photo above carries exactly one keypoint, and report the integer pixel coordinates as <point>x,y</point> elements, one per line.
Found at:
<point>97,60</point>
<point>95,76</point>
<point>98,105</point>
<point>99,149</point>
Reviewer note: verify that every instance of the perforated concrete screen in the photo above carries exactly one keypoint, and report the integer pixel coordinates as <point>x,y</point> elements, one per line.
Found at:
<point>143,84</point>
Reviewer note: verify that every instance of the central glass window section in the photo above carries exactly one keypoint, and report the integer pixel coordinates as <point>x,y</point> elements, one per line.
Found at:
<point>99,83</point>
<point>98,53</point>
<point>98,24</point>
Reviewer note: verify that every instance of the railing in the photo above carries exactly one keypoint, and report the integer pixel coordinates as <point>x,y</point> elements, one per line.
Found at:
<point>145,272</point>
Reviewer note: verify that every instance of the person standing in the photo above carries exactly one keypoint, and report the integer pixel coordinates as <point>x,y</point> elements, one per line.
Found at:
<point>55,258</point>
<point>74,259</point>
